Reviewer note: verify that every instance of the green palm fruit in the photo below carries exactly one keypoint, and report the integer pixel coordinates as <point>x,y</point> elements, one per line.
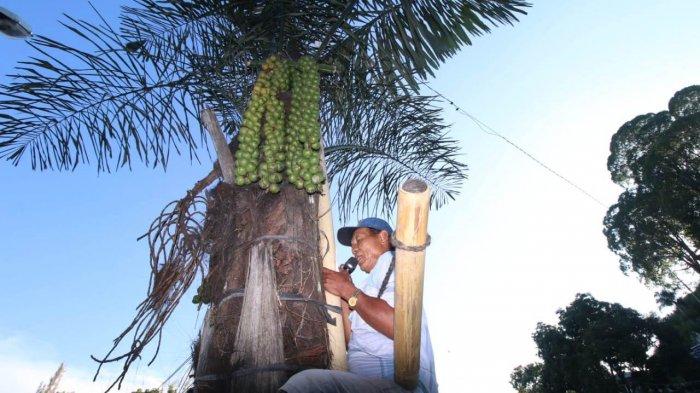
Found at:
<point>249,167</point>
<point>317,179</point>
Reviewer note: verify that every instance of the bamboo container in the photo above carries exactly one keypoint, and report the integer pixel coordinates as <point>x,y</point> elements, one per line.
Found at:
<point>411,231</point>
<point>326,244</point>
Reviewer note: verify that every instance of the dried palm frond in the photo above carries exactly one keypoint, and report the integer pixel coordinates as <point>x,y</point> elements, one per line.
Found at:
<point>177,254</point>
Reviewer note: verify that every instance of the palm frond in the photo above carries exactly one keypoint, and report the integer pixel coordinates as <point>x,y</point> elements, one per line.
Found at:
<point>375,145</point>
<point>71,106</point>
<point>406,41</point>
<point>177,254</point>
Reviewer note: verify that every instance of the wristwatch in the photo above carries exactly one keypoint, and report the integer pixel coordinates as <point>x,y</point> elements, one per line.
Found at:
<point>352,300</point>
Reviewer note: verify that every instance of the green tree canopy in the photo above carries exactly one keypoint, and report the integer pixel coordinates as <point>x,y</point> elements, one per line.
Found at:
<point>604,347</point>
<point>592,348</point>
<point>655,225</point>
<point>677,333</point>
<point>527,379</point>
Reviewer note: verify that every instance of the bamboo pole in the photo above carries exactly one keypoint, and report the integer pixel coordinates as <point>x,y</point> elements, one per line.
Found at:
<point>411,231</point>
<point>326,244</point>
<point>223,153</point>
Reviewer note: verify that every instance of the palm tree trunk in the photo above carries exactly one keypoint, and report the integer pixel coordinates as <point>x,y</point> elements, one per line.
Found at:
<point>273,238</point>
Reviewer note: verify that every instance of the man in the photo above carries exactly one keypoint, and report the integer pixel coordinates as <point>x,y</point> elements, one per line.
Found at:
<point>368,317</point>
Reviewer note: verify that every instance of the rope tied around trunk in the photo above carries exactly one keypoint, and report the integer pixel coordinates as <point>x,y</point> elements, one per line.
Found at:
<point>322,306</point>
<point>292,297</point>
<point>278,237</point>
<point>401,246</point>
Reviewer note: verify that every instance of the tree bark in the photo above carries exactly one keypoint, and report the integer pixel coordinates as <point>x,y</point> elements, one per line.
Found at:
<point>240,219</point>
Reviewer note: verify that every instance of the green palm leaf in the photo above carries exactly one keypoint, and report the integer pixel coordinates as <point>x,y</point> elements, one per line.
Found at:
<point>376,144</point>
<point>407,40</point>
<point>71,105</point>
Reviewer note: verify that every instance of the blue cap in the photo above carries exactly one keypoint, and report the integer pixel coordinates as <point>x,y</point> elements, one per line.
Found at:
<point>345,233</point>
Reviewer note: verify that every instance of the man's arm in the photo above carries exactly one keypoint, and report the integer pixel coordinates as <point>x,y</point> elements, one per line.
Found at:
<point>376,312</point>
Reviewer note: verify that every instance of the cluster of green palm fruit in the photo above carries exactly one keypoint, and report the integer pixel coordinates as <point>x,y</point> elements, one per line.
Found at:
<point>202,296</point>
<point>289,142</point>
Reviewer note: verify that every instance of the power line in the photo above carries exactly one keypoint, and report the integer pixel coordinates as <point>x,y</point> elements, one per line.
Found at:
<point>490,131</point>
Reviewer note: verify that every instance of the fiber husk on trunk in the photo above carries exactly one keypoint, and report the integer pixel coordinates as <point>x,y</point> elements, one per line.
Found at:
<point>237,216</point>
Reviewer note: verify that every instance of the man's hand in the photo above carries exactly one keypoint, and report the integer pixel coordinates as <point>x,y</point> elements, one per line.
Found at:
<point>338,283</point>
<point>376,312</point>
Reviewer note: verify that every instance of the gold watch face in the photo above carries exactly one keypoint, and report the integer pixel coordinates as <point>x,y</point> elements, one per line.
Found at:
<point>352,301</point>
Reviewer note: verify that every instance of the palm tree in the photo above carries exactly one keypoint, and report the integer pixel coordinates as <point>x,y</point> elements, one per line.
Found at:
<point>134,93</point>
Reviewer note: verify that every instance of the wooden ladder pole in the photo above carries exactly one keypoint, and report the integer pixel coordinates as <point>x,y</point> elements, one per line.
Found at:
<point>326,244</point>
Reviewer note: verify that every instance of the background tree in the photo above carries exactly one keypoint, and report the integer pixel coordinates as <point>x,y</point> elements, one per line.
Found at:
<point>593,348</point>
<point>655,225</point>
<point>605,347</point>
<point>527,379</point>
<point>672,361</point>
<point>134,93</point>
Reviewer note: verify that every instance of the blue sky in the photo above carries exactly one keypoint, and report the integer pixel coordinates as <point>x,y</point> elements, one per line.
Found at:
<point>515,246</point>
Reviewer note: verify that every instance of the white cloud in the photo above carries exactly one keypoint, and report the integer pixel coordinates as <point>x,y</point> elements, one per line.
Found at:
<point>25,363</point>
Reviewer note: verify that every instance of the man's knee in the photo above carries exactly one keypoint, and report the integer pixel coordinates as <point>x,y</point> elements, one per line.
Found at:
<point>312,380</point>
<point>314,374</point>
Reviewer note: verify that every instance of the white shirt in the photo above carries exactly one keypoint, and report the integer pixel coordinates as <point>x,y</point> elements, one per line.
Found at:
<point>370,353</point>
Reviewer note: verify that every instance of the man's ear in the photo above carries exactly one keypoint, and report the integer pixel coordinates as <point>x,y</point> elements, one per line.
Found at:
<point>384,237</point>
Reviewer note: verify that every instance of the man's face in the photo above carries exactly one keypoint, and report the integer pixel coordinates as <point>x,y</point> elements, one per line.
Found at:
<point>367,247</point>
